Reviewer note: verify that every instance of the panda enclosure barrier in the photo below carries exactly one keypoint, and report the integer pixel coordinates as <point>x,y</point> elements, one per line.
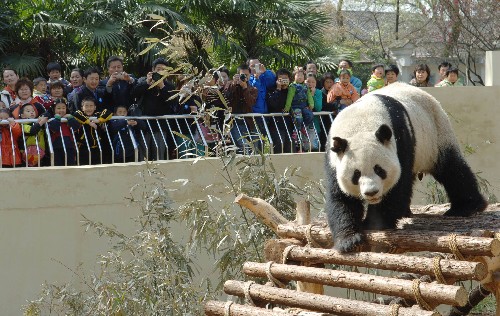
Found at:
<point>432,254</point>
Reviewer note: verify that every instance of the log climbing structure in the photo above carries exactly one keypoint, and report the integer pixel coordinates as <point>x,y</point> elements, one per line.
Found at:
<point>428,261</point>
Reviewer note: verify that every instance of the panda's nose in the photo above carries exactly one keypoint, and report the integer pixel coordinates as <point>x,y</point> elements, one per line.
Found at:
<point>371,193</point>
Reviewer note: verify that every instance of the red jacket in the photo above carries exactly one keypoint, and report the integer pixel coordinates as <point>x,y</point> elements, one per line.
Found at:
<point>7,157</point>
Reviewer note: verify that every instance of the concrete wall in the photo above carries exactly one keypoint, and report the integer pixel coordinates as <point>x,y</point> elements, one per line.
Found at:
<point>41,208</point>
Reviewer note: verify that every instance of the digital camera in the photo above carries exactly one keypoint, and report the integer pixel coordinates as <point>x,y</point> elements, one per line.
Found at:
<point>243,77</point>
<point>156,76</point>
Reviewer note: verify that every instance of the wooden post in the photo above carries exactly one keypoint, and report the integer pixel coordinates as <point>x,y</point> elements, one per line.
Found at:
<point>317,302</point>
<point>303,217</point>
<point>263,210</point>
<point>434,294</point>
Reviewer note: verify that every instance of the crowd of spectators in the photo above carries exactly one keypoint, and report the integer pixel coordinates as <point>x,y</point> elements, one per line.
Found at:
<point>77,115</point>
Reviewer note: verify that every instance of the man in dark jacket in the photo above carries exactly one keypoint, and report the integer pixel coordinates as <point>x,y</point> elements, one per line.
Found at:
<point>242,96</point>
<point>154,102</point>
<point>280,128</point>
<point>118,85</point>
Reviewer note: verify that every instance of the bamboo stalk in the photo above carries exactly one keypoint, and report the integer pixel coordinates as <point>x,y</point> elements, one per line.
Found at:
<point>433,293</point>
<point>402,239</point>
<point>317,302</point>
<point>263,210</point>
<point>454,269</point>
<point>214,308</point>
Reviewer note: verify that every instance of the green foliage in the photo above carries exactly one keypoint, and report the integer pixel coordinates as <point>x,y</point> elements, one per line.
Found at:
<point>86,32</point>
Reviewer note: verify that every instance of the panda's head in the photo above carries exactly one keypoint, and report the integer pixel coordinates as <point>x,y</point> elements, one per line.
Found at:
<point>367,165</point>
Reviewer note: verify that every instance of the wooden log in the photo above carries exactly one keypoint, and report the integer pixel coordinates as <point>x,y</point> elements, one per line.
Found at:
<point>264,211</point>
<point>433,293</point>
<point>214,308</point>
<point>454,269</point>
<point>402,239</point>
<point>304,218</point>
<point>317,302</point>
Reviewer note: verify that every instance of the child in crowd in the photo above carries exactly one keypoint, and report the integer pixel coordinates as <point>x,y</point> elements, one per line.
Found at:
<point>61,135</point>
<point>89,135</point>
<point>343,92</point>
<point>56,90</point>
<point>123,131</point>
<point>32,144</point>
<point>422,75</point>
<point>39,92</point>
<point>54,70</point>
<point>9,133</point>
<point>391,74</point>
<point>451,79</point>
<point>328,82</point>
<point>318,106</point>
<point>300,100</point>
<point>376,80</point>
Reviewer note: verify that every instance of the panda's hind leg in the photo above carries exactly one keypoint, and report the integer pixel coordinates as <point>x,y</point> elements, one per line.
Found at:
<point>453,172</point>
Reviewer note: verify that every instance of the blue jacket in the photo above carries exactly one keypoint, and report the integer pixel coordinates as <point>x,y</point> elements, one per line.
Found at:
<point>266,80</point>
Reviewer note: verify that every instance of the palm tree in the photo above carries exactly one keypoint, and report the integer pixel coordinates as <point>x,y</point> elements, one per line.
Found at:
<point>79,32</point>
<point>281,32</point>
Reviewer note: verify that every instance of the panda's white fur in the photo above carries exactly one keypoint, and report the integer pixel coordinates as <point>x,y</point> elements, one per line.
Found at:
<point>363,140</point>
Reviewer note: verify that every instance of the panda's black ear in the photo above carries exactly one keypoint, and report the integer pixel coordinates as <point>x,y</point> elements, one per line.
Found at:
<point>339,145</point>
<point>383,133</point>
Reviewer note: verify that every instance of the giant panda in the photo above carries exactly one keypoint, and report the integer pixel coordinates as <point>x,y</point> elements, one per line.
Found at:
<point>375,149</point>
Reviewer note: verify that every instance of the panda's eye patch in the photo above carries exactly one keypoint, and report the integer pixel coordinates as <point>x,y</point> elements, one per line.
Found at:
<point>379,171</point>
<point>356,176</point>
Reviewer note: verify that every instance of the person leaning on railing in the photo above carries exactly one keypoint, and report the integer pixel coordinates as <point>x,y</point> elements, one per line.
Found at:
<point>89,136</point>
<point>155,102</point>
<point>282,127</point>
<point>9,133</point>
<point>242,96</point>
<point>61,134</point>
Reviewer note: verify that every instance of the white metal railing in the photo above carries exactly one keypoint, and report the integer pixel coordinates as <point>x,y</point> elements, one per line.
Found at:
<point>167,137</point>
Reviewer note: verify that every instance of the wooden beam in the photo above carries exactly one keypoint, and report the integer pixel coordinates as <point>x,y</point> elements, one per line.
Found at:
<point>317,302</point>
<point>402,240</point>
<point>214,308</point>
<point>453,269</point>
<point>434,294</point>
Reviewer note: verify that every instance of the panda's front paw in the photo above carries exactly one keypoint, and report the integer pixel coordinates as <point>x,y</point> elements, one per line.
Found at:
<point>348,243</point>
